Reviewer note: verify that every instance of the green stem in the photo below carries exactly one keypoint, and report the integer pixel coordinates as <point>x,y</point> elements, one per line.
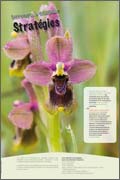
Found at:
<point>49,122</point>
<point>74,144</point>
<point>68,134</point>
<point>54,133</point>
<point>41,125</point>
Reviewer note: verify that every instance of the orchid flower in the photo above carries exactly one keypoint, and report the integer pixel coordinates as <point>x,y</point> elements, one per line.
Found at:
<point>24,49</point>
<point>22,114</point>
<point>61,72</point>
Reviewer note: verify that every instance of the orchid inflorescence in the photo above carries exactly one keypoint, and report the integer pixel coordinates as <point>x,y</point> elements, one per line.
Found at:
<point>55,77</point>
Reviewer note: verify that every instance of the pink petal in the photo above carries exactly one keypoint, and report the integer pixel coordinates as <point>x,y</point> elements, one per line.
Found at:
<point>59,49</point>
<point>57,30</point>
<point>81,70</point>
<point>21,20</point>
<point>22,116</point>
<point>28,87</point>
<point>17,103</point>
<point>38,73</point>
<point>18,48</point>
<point>34,40</point>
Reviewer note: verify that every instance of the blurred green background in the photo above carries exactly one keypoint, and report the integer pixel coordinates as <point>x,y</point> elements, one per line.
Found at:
<point>94,28</point>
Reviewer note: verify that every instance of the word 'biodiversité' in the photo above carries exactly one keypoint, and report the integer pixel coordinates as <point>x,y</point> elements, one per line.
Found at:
<point>19,27</point>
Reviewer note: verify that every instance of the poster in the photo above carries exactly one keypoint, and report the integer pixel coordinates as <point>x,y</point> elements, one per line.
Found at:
<point>60,90</point>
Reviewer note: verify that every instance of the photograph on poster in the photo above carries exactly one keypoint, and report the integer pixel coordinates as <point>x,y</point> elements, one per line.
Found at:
<point>59,69</point>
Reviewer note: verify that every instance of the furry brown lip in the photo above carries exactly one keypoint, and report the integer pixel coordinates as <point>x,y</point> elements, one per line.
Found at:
<point>63,96</point>
<point>60,83</point>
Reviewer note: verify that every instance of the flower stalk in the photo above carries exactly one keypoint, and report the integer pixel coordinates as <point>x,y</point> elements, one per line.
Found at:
<point>54,129</point>
<point>50,123</point>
